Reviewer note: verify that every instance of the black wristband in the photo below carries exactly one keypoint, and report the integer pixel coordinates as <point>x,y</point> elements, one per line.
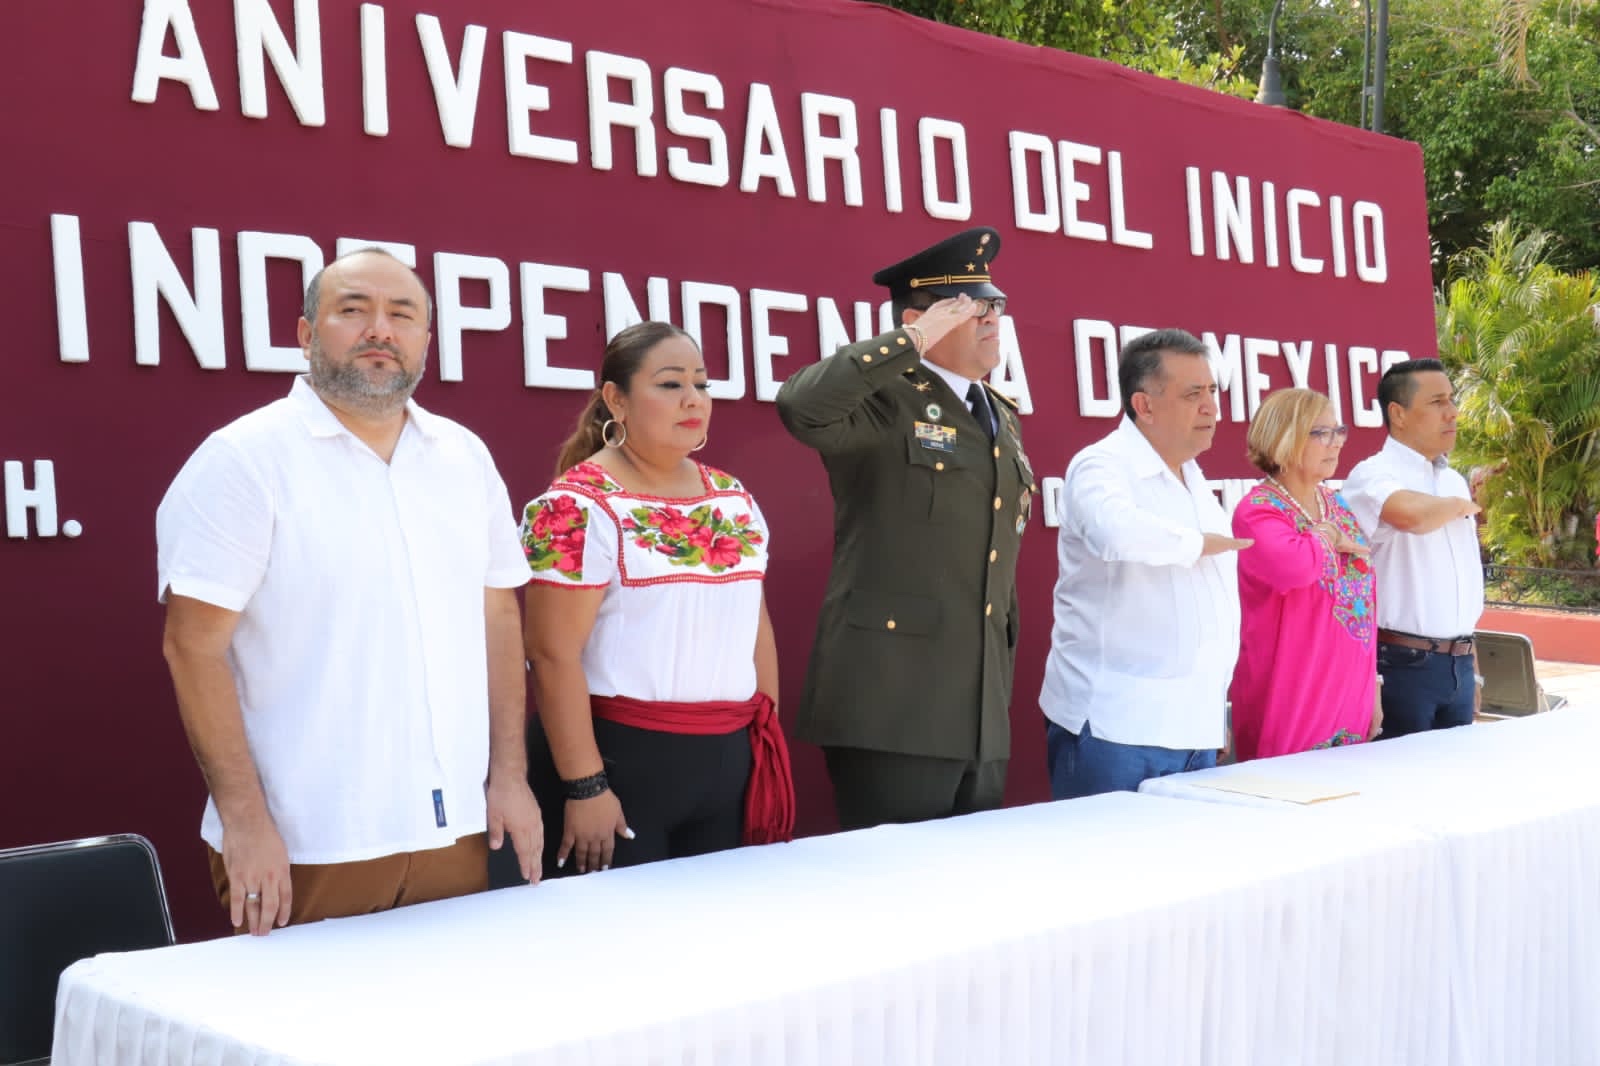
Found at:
<point>585,788</point>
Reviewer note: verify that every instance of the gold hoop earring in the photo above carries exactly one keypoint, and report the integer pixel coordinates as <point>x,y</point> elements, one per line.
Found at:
<point>605,434</point>
<point>703,441</point>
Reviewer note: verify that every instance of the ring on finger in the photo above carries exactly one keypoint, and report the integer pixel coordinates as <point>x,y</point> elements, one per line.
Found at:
<point>252,897</point>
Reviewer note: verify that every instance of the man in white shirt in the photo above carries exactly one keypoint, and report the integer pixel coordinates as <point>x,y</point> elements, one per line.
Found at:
<point>1147,604</point>
<point>1418,513</point>
<point>339,571</point>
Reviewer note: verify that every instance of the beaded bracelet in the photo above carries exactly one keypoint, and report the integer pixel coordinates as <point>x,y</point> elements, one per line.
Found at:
<point>584,788</point>
<point>918,340</point>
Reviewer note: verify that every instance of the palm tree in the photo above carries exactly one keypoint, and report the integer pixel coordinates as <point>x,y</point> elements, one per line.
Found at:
<point>1513,19</point>
<point>1522,340</point>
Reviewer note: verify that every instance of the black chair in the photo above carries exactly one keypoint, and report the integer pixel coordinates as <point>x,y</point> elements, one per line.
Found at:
<point>60,903</point>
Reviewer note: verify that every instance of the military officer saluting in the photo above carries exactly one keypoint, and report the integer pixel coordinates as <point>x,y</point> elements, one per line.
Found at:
<point>909,685</point>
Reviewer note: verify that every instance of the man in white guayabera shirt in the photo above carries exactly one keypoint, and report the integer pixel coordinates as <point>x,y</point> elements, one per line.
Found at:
<point>1418,513</point>
<point>1147,604</point>
<point>339,569</point>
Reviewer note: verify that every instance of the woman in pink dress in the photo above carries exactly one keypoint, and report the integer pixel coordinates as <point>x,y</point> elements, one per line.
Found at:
<point>1307,671</point>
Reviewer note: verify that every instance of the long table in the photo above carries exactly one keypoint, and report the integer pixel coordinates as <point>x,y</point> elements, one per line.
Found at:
<point>1515,809</point>
<point>1121,929</point>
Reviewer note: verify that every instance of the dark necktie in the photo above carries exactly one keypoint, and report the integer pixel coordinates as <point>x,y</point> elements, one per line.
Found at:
<point>980,408</point>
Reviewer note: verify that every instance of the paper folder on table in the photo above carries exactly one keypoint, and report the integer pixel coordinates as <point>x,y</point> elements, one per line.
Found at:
<point>1276,788</point>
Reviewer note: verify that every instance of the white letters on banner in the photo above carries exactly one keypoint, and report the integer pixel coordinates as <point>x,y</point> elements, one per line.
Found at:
<point>188,67</point>
<point>39,497</point>
<point>931,132</point>
<point>523,97</point>
<point>256,318</point>
<point>1299,216</point>
<point>156,276</point>
<point>677,84</point>
<point>455,93</point>
<point>453,317</point>
<point>821,146</point>
<point>72,311</point>
<point>374,72</point>
<point>1057,184</point>
<point>539,327</point>
<point>766,340</point>
<point>299,67</point>
<point>635,113</point>
<point>1246,367</point>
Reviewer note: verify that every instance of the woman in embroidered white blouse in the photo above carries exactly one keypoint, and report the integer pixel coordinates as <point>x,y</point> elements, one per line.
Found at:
<point>654,665</point>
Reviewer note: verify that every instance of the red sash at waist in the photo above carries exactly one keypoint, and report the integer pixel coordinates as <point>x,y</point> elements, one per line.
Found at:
<point>769,797</point>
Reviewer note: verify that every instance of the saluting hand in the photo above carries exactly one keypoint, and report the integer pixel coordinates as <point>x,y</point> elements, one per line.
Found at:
<point>942,317</point>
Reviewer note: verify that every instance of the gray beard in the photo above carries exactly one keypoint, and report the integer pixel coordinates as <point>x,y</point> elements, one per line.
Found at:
<point>351,387</point>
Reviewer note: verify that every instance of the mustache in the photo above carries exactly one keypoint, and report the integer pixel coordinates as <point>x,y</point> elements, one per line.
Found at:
<point>390,350</point>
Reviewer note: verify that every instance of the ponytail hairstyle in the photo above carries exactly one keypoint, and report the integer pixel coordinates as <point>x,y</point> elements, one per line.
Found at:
<point>623,357</point>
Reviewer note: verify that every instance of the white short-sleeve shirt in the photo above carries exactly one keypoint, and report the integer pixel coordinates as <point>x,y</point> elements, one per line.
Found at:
<point>1431,584</point>
<point>679,617</point>
<point>360,653</point>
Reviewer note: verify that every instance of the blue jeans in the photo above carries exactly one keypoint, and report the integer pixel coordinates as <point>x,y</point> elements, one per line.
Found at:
<point>1081,764</point>
<point>1424,690</point>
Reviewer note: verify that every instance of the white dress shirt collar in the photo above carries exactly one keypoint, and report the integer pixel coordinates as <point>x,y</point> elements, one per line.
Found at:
<point>320,421</point>
<point>1405,453</point>
<point>958,384</point>
<point>1142,456</point>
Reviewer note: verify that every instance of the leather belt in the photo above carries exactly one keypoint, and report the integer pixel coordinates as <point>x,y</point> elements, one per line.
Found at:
<point>1450,646</point>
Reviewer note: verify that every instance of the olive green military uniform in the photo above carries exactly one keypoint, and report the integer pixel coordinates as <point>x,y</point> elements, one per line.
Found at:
<point>909,683</point>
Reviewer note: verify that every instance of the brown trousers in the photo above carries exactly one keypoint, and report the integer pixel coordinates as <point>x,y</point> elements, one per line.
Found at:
<point>342,889</point>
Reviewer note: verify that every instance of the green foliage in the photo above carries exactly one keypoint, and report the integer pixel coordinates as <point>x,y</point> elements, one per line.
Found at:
<point>1137,33</point>
<point>1522,340</point>
<point>1502,95</point>
<point>1495,145</point>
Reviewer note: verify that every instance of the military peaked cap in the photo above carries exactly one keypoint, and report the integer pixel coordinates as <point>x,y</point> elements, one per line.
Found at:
<point>955,265</point>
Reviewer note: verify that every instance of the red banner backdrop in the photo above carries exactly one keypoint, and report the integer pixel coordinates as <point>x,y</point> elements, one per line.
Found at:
<point>175,172</point>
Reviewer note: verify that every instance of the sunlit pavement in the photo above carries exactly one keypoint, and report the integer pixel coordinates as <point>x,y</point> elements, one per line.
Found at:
<point>1578,682</point>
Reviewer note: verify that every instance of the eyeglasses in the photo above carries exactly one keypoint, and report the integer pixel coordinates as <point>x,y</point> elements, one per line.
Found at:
<point>1329,434</point>
<point>987,305</point>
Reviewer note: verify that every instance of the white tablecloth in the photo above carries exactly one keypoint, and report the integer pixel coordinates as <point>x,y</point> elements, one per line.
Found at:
<point>1515,807</point>
<point>1122,929</point>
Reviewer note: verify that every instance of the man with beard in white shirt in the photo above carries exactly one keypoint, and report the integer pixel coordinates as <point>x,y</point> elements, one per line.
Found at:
<point>1418,513</point>
<point>339,570</point>
<point>1147,602</point>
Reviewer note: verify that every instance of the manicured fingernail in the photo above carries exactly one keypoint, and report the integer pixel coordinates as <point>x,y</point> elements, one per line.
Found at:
<point>607,866</point>
<point>560,863</point>
<point>627,833</point>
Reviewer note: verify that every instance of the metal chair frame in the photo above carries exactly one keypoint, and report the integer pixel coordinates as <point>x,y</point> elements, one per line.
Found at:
<point>21,1021</point>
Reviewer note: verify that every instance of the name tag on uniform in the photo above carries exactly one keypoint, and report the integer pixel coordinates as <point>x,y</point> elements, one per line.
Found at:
<point>935,437</point>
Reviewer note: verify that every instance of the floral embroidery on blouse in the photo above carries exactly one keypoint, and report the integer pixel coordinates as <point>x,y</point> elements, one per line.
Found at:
<point>714,537</point>
<point>590,475</point>
<point>703,536</point>
<point>1347,578</point>
<point>554,530</point>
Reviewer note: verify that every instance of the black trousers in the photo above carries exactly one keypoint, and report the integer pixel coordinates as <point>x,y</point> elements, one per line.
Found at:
<point>682,795</point>
<point>875,787</point>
